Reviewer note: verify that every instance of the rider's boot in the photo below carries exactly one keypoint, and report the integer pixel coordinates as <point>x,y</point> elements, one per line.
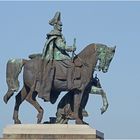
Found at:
<point>46,84</point>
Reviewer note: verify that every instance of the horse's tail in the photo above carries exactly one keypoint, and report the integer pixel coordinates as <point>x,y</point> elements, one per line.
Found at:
<point>13,69</point>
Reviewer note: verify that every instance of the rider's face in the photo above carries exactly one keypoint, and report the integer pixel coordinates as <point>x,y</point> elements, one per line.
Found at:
<point>58,27</point>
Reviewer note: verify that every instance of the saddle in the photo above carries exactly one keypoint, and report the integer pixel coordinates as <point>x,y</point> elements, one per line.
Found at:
<point>70,71</point>
<point>62,70</point>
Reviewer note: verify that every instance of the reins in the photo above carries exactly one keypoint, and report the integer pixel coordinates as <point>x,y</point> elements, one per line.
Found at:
<point>84,63</point>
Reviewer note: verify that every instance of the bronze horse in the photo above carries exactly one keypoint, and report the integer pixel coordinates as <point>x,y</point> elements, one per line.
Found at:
<point>89,57</point>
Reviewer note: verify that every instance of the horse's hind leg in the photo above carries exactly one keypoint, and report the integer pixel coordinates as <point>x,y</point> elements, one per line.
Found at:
<point>20,97</point>
<point>31,98</point>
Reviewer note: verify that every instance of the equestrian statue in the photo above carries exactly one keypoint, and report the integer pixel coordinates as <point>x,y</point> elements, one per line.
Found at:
<point>53,71</point>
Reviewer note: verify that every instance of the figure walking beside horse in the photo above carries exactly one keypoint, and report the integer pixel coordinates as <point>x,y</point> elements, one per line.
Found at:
<point>65,106</point>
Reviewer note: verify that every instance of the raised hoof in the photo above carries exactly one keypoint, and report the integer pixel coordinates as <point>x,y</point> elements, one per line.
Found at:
<point>78,121</point>
<point>104,108</point>
<point>102,111</point>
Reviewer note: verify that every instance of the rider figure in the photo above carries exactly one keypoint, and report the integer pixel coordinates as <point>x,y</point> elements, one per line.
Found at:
<point>55,48</point>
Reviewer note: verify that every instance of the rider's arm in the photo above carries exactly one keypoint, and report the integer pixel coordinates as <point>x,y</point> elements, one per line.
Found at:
<point>61,44</point>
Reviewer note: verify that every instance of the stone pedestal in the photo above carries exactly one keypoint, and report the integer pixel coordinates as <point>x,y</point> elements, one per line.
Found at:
<point>51,131</point>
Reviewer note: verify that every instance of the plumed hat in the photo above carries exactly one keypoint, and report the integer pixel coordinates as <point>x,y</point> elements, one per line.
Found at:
<point>56,19</point>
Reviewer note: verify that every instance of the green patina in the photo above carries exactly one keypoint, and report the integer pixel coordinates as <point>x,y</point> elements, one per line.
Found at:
<point>56,48</point>
<point>105,55</point>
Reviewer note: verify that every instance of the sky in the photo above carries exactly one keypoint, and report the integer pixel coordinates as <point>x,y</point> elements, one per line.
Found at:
<point>23,29</point>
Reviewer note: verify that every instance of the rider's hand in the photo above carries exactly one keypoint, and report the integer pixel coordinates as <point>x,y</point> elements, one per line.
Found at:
<point>73,49</point>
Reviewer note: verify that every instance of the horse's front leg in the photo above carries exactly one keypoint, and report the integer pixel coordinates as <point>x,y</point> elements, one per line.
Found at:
<point>105,102</point>
<point>100,91</point>
<point>77,111</point>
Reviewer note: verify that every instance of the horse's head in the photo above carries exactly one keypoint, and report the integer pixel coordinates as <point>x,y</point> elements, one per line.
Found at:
<point>105,55</point>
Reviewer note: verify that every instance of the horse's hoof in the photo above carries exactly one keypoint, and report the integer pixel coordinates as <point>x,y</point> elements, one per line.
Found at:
<point>103,109</point>
<point>39,117</point>
<point>38,121</point>
<point>84,113</point>
<point>85,123</point>
<point>17,122</point>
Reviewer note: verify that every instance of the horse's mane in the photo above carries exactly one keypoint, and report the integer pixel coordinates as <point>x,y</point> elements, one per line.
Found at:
<point>90,49</point>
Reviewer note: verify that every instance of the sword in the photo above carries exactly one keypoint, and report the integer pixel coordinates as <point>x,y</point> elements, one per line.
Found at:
<point>73,48</point>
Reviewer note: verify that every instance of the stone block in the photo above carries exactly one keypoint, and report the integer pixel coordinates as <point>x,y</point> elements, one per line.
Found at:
<point>51,131</point>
